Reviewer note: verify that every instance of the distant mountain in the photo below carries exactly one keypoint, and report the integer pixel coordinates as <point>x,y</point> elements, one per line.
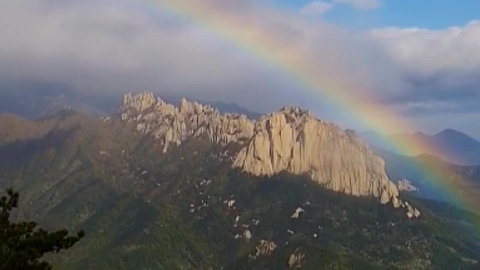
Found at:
<point>377,140</point>
<point>223,107</point>
<point>456,181</point>
<point>450,145</point>
<point>34,100</point>
<point>162,187</point>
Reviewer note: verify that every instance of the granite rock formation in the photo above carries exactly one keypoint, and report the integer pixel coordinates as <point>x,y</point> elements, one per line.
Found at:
<point>293,140</point>
<point>290,140</point>
<point>173,124</point>
<point>406,185</point>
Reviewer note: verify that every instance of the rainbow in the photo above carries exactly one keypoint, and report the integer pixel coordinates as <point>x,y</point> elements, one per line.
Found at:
<point>290,60</point>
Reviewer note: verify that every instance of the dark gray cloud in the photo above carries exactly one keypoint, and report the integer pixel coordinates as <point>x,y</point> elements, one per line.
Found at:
<point>444,87</point>
<point>439,68</point>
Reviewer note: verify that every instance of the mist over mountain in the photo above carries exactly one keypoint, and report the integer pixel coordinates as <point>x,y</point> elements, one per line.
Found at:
<point>224,107</point>
<point>416,170</point>
<point>450,145</point>
<point>221,106</point>
<point>35,99</point>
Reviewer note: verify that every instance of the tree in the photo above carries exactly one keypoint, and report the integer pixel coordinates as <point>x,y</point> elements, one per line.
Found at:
<point>23,244</point>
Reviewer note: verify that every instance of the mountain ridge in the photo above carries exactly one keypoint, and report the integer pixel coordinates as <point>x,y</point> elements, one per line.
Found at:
<point>461,181</point>
<point>37,99</point>
<point>449,144</point>
<point>188,208</point>
<point>284,140</point>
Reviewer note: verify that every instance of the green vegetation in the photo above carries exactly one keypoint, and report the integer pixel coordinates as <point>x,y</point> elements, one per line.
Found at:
<point>23,244</point>
<point>142,209</point>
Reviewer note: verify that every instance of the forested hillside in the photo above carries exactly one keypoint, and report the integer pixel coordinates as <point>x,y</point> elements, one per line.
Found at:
<point>188,209</point>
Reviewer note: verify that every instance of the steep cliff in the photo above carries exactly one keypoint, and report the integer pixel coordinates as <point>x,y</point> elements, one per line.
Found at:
<point>290,140</point>
<point>293,140</point>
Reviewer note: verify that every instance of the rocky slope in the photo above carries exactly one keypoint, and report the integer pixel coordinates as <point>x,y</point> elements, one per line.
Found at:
<point>289,140</point>
<point>188,209</point>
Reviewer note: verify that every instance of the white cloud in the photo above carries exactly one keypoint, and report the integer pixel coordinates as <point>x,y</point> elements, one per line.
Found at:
<point>433,51</point>
<point>316,8</point>
<point>360,4</point>
<point>118,48</point>
<point>110,47</point>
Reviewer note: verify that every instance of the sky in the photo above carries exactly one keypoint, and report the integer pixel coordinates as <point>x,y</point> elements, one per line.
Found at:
<point>370,14</point>
<point>418,58</point>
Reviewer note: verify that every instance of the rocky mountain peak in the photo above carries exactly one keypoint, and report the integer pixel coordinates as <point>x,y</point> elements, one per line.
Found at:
<point>296,111</point>
<point>293,140</point>
<point>173,125</point>
<point>139,102</point>
<point>290,139</point>
<point>188,107</point>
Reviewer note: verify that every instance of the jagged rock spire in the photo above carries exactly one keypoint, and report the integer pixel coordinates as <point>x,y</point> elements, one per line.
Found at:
<point>173,124</point>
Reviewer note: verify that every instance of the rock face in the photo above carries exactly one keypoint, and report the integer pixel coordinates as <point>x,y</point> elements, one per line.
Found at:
<point>173,124</point>
<point>297,212</point>
<point>265,248</point>
<point>411,211</point>
<point>293,140</point>
<point>406,185</point>
<point>288,140</point>
<point>295,259</point>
